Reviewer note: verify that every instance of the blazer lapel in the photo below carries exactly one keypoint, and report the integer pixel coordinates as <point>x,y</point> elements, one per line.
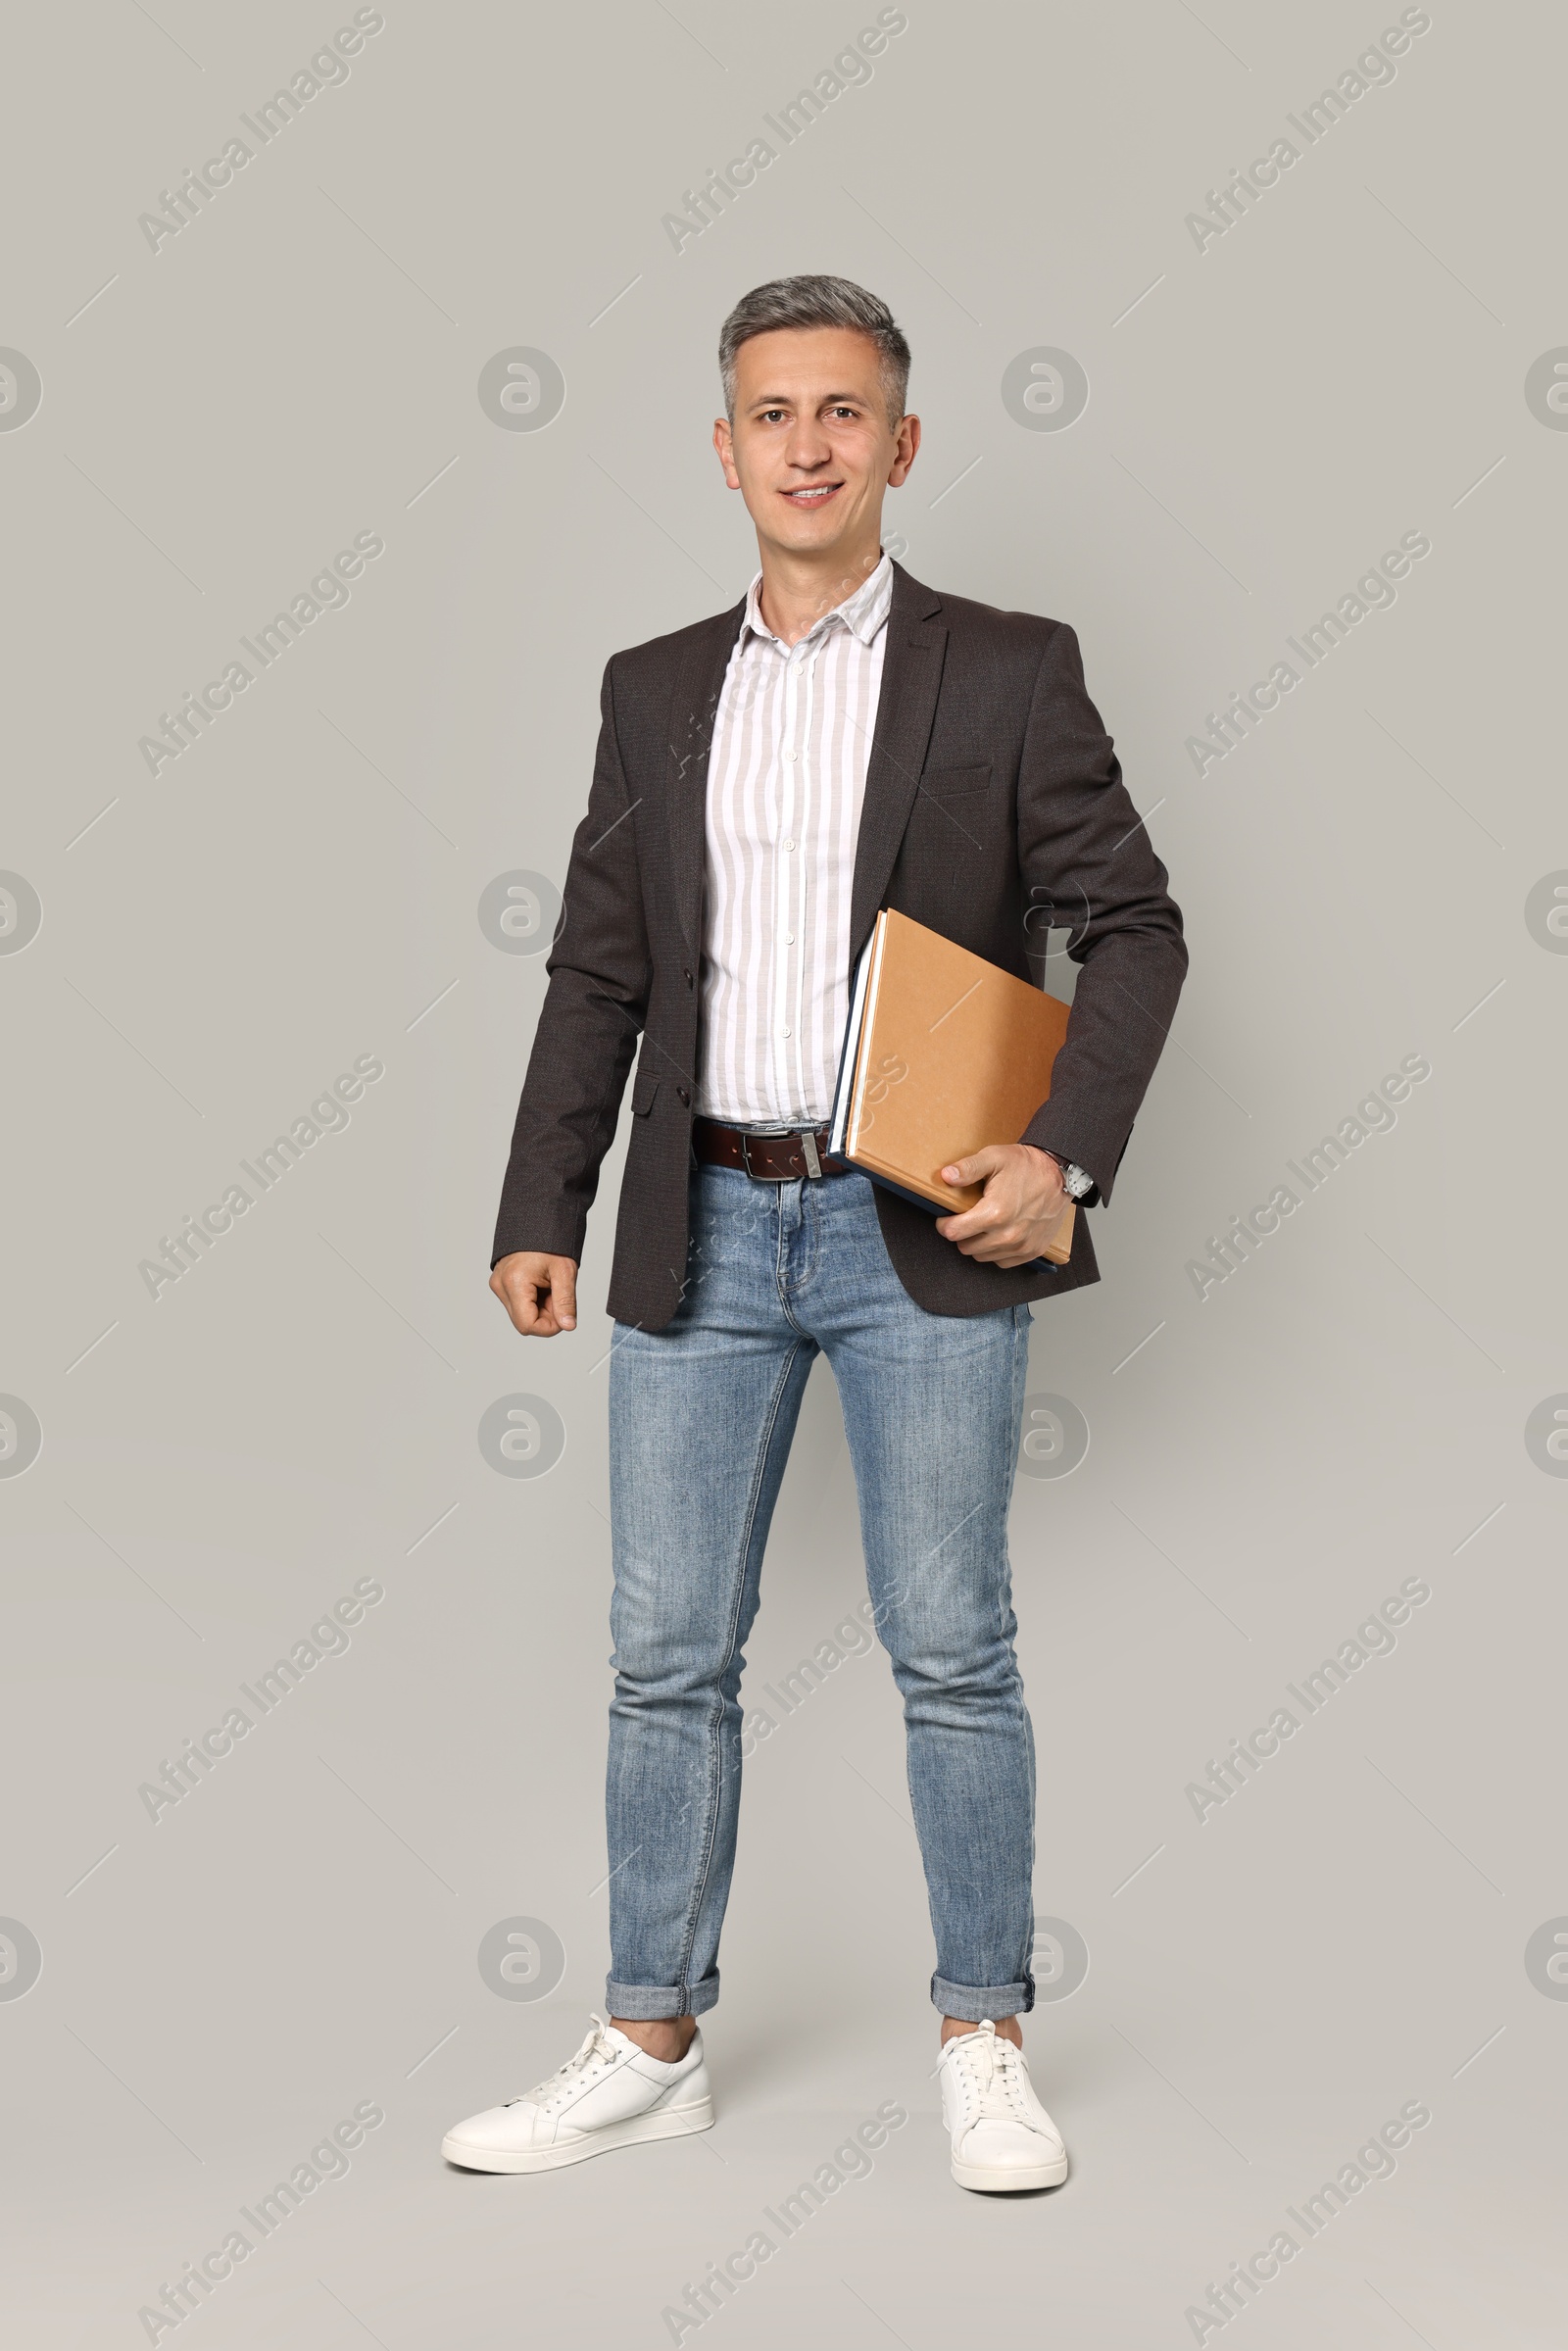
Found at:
<point>912,676</point>
<point>692,703</point>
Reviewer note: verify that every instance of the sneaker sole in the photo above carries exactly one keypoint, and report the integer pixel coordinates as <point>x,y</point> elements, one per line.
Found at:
<point>1006,2180</point>
<point>669,2122</point>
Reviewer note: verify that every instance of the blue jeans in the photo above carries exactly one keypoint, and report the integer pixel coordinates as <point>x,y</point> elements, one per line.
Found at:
<point>701,1415</point>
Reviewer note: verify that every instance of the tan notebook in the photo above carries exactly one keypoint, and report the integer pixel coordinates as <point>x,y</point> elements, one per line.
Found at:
<point>944,1053</point>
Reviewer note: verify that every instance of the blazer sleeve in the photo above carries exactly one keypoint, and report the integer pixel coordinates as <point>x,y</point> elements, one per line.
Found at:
<point>1089,868</point>
<point>594,1007</point>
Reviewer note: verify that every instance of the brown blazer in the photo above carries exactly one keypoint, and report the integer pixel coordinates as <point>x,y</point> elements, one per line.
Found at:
<point>994,811</point>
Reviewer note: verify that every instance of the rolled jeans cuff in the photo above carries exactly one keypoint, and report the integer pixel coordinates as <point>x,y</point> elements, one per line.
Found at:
<point>643,2003</point>
<point>972,2007</point>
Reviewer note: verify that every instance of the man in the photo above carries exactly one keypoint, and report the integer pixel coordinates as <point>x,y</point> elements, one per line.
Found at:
<point>843,739</point>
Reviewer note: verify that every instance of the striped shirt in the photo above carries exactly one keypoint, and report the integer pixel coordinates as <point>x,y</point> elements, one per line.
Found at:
<point>786,776</point>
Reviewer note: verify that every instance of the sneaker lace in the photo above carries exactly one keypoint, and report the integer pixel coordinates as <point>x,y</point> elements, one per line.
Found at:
<point>566,2077</point>
<point>993,2074</point>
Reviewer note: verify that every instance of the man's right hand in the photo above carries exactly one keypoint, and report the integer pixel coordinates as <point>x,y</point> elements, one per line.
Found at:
<point>539,1293</point>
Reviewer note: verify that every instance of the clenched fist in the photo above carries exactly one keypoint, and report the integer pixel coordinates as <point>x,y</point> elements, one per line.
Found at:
<point>538,1292</point>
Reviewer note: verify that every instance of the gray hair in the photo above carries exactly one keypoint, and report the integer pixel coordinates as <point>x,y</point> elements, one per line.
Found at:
<point>817,302</point>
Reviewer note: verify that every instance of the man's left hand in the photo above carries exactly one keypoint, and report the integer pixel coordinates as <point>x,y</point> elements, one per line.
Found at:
<point>1020,1209</point>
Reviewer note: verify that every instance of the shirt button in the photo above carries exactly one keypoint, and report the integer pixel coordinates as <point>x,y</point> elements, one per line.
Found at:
<point>783,1032</point>
<point>789,844</point>
<point>789,754</point>
<point>789,938</point>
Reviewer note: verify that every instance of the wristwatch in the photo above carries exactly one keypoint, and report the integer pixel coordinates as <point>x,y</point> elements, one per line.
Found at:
<point>1076,1181</point>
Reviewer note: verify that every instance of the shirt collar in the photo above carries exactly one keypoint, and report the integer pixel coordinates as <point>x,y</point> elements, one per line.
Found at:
<point>863,613</point>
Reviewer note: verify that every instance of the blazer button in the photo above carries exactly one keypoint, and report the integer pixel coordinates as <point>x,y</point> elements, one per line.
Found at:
<point>687,977</point>
<point>683,1096</point>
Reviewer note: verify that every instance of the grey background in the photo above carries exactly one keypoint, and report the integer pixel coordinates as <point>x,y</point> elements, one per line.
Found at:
<point>301,1410</point>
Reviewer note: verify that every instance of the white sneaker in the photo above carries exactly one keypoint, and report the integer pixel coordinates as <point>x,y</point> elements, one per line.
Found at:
<point>1002,2136</point>
<point>610,2094</point>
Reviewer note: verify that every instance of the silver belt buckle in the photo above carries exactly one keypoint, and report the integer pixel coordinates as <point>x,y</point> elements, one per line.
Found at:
<point>746,1159</point>
<point>806,1140</point>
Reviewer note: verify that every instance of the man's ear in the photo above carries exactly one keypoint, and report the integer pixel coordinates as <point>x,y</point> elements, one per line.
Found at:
<point>724,446</point>
<point>908,444</point>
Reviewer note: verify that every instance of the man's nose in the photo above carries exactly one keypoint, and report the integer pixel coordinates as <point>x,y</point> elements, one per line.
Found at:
<point>809,448</point>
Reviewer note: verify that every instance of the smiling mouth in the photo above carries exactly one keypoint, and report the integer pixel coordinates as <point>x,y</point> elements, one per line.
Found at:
<point>818,494</point>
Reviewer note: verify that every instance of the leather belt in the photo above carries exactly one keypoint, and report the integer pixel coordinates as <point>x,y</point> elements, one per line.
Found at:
<point>768,1158</point>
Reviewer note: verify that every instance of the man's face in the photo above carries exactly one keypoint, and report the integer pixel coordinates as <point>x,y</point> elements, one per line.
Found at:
<point>811,451</point>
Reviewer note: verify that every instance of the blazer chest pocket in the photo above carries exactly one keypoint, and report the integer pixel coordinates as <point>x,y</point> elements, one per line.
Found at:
<point>952,783</point>
<point>644,1087</point>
